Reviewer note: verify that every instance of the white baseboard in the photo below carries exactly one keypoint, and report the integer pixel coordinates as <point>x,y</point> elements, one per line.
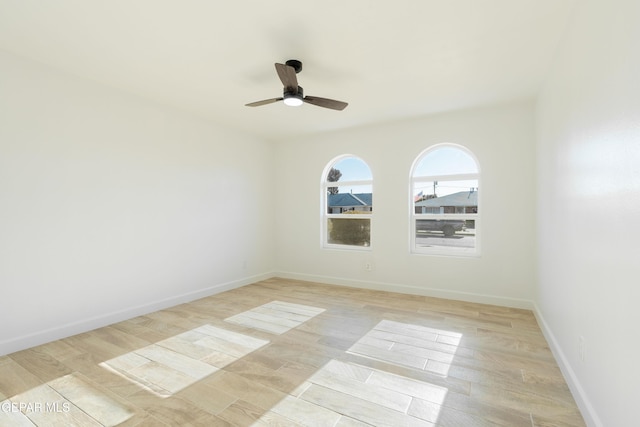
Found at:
<point>58,332</point>
<point>412,290</point>
<point>582,400</point>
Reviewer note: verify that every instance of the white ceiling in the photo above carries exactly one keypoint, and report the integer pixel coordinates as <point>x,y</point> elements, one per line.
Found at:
<point>390,60</point>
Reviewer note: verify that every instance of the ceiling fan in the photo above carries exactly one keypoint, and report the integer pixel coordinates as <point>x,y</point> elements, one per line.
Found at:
<point>293,94</point>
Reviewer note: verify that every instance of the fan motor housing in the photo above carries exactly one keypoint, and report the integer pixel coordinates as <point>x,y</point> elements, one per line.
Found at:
<point>288,94</point>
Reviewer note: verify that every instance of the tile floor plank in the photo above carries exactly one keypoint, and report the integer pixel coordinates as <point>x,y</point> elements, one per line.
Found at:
<point>360,409</point>
<point>371,392</point>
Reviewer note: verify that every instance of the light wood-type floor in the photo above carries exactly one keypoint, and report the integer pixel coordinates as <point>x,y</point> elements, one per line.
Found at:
<point>289,353</point>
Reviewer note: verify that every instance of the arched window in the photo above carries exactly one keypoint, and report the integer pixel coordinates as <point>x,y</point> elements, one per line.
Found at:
<point>347,199</point>
<point>444,202</point>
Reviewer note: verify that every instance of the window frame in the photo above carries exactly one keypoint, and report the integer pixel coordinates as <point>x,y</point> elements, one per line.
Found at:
<point>325,216</point>
<point>413,216</point>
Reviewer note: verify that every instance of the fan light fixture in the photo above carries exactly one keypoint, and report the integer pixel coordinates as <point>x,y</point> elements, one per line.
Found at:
<point>293,99</point>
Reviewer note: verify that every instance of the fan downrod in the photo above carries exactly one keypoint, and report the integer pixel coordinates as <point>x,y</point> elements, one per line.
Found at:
<point>295,64</point>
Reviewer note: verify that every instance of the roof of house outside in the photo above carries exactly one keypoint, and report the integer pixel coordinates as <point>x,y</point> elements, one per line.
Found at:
<point>463,198</point>
<point>349,199</point>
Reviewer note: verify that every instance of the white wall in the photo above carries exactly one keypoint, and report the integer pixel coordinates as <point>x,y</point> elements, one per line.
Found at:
<point>502,140</point>
<point>112,206</point>
<point>589,209</point>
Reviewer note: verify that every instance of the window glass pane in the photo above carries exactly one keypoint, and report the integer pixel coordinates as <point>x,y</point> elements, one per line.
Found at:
<point>445,233</point>
<point>352,231</point>
<point>349,203</point>
<point>445,183</point>
<point>445,161</point>
<point>352,169</point>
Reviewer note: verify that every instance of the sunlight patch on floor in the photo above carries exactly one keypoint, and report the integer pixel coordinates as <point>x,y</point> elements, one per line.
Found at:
<point>409,345</point>
<point>276,317</point>
<point>173,364</point>
<point>68,400</point>
<point>344,391</point>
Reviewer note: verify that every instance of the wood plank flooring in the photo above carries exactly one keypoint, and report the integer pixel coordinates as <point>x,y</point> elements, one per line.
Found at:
<point>290,353</point>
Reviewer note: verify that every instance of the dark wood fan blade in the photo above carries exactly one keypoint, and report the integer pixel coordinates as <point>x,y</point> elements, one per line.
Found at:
<point>263,102</point>
<point>326,103</point>
<point>288,77</point>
